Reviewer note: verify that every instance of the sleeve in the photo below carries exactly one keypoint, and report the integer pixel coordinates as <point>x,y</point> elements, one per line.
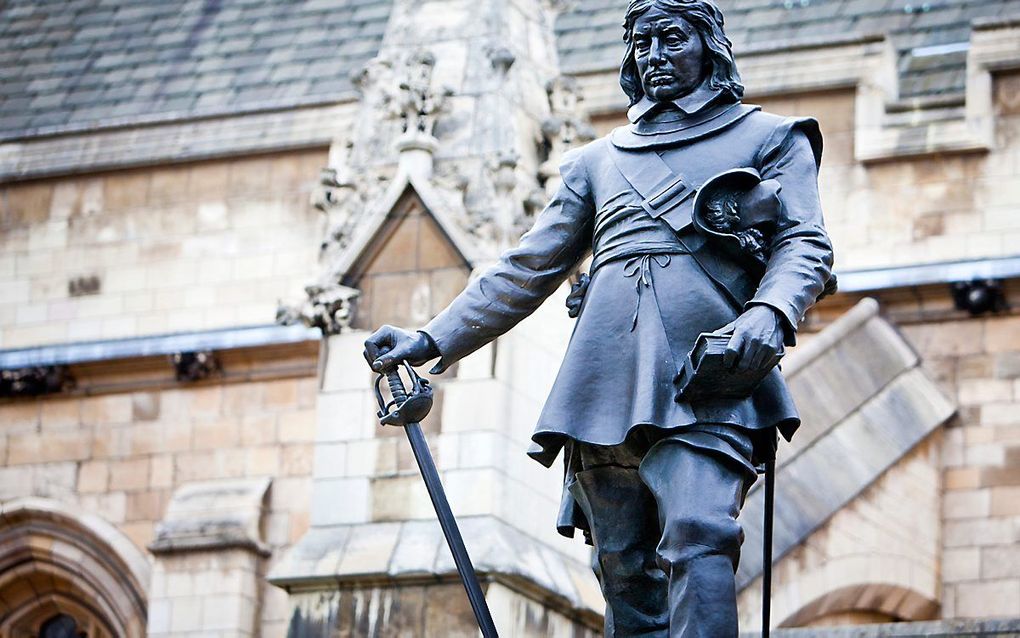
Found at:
<point>524,276</point>
<point>801,253</point>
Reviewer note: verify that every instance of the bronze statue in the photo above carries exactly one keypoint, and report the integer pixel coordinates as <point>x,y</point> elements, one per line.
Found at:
<point>702,216</point>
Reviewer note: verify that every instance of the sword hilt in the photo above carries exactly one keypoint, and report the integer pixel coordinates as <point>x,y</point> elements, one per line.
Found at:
<point>406,406</point>
<point>397,390</point>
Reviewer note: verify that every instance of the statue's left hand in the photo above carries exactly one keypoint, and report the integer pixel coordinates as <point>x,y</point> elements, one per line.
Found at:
<point>757,337</point>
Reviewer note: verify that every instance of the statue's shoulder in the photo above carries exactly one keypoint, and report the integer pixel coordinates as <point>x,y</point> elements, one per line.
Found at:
<point>578,165</point>
<point>592,150</point>
<point>765,120</point>
<point>778,131</point>
<point>586,159</point>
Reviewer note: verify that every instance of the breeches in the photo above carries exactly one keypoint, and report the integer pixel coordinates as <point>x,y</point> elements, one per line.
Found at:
<point>663,519</point>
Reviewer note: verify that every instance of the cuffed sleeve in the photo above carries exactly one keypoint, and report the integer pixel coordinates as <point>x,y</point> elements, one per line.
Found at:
<point>524,276</point>
<point>801,253</point>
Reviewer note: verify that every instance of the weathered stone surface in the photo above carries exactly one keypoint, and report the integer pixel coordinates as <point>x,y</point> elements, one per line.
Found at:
<point>214,514</point>
<point>416,611</point>
<point>408,550</point>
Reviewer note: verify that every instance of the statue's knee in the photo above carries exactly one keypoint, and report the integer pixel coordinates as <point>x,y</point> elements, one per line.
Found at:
<point>630,570</point>
<point>623,563</point>
<point>689,536</point>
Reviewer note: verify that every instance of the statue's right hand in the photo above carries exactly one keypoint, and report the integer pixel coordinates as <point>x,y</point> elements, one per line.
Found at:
<point>388,346</point>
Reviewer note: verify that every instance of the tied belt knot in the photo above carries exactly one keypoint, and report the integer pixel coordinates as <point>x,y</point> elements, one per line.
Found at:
<point>640,267</point>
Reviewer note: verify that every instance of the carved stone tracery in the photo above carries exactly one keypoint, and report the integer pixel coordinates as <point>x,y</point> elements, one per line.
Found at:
<point>487,189</point>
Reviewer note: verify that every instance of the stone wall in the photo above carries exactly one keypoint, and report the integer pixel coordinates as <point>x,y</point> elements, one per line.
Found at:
<point>959,490</point>
<point>155,250</point>
<point>880,551</point>
<point>121,456</point>
<point>979,362</point>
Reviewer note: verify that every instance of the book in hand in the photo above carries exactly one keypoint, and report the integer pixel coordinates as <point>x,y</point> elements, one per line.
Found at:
<point>705,375</point>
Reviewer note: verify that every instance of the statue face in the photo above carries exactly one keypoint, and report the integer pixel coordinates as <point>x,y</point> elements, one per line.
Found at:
<point>669,55</point>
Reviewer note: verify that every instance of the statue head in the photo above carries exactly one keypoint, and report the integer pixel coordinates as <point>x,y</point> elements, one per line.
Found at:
<point>672,47</point>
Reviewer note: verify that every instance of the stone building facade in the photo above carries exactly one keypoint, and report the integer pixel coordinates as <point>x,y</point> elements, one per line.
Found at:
<point>205,206</point>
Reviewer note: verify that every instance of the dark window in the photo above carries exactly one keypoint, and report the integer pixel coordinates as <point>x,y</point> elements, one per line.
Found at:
<point>61,626</point>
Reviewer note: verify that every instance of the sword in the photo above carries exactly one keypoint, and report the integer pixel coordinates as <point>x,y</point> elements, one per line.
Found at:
<point>766,579</point>
<point>407,409</point>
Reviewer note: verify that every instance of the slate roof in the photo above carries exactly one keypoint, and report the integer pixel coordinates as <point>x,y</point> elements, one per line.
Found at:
<point>930,35</point>
<point>80,63</point>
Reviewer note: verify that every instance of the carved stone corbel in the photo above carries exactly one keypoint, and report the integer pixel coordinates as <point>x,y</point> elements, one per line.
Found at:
<point>33,381</point>
<point>195,366</point>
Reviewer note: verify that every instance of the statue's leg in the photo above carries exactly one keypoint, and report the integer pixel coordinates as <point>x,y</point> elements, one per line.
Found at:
<point>699,481</point>
<point>624,528</point>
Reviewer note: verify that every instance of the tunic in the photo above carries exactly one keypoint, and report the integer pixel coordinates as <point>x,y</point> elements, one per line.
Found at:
<point>649,299</point>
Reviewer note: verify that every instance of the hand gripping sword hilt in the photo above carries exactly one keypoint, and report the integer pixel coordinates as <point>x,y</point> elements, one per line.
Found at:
<point>406,406</point>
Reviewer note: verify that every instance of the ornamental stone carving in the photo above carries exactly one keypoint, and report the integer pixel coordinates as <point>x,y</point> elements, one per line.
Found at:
<point>418,103</point>
<point>329,306</point>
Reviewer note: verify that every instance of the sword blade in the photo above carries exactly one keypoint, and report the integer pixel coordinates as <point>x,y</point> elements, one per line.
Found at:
<point>468,577</point>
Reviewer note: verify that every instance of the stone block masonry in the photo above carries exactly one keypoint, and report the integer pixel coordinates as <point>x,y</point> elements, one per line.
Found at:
<point>121,456</point>
<point>174,248</point>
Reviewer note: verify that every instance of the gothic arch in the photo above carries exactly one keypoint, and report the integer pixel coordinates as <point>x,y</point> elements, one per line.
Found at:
<point>55,560</point>
<point>888,601</point>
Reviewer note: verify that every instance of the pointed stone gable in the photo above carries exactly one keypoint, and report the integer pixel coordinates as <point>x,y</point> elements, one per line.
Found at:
<point>408,271</point>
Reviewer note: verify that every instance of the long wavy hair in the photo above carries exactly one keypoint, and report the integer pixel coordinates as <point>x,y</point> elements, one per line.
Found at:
<point>707,20</point>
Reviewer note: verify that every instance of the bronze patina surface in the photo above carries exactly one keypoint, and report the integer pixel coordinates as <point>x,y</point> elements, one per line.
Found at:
<point>655,480</point>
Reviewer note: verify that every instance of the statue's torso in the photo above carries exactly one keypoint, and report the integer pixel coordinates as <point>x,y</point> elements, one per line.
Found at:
<point>619,217</point>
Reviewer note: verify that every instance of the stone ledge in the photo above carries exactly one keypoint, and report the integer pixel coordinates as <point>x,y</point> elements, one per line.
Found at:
<point>415,551</point>
<point>1005,627</point>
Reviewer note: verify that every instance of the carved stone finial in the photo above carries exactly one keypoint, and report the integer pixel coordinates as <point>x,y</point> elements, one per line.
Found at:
<point>328,307</point>
<point>419,104</point>
<point>502,59</point>
<point>195,366</point>
<point>34,381</point>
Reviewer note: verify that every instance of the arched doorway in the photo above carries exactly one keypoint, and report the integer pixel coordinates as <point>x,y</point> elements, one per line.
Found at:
<point>67,574</point>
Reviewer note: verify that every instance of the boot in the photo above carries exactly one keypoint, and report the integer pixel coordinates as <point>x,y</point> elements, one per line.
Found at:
<point>698,493</point>
<point>623,523</point>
